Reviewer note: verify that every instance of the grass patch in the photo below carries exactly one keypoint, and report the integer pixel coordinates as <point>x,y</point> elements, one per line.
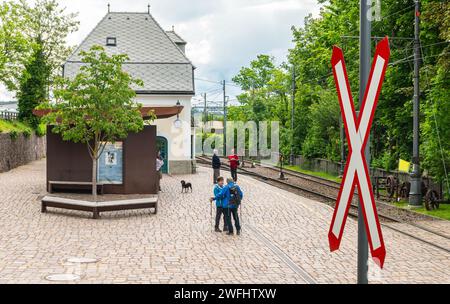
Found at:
<point>15,127</point>
<point>313,173</point>
<point>443,212</point>
<point>7,126</point>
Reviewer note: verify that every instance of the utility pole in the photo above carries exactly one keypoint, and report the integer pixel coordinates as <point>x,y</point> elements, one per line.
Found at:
<point>224,121</point>
<point>364,63</point>
<point>291,160</point>
<point>205,113</point>
<point>415,194</point>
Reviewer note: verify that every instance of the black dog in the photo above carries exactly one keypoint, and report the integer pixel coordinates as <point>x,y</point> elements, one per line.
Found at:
<point>185,186</point>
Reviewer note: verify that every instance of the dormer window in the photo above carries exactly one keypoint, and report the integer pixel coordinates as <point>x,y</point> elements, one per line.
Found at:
<point>111,41</point>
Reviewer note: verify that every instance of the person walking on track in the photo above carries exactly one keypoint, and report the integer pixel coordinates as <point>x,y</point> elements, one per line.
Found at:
<point>216,166</point>
<point>219,206</point>
<point>233,159</point>
<point>231,196</point>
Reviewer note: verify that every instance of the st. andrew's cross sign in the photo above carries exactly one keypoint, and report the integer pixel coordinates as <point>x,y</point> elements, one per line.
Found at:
<point>356,170</point>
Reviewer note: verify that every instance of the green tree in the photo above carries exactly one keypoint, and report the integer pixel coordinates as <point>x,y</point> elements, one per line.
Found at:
<point>33,87</point>
<point>337,24</point>
<point>14,45</point>
<point>257,75</point>
<point>435,146</point>
<point>323,135</point>
<point>49,25</point>
<point>96,106</point>
<point>316,128</point>
<point>254,80</point>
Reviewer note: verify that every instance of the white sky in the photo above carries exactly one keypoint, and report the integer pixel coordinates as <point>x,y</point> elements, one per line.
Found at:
<point>222,35</point>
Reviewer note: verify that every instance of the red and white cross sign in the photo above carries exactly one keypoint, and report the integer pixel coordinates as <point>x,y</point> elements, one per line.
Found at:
<point>357,130</point>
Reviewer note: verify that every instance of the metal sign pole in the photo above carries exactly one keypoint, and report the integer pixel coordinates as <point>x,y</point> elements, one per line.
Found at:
<point>415,194</point>
<point>224,121</point>
<point>364,66</point>
<point>291,157</point>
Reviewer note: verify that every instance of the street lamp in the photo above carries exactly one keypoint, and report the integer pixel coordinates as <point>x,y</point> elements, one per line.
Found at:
<point>177,123</point>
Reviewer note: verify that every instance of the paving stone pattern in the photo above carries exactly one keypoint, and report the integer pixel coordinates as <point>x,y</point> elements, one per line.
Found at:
<point>284,240</point>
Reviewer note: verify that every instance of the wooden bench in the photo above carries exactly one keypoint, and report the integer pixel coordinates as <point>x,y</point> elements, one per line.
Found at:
<point>96,208</point>
<point>73,184</point>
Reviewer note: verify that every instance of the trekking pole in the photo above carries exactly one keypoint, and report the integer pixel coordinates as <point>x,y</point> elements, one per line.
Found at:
<point>240,214</point>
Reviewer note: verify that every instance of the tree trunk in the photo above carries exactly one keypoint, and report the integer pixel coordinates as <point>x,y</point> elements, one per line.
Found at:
<point>94,178</point>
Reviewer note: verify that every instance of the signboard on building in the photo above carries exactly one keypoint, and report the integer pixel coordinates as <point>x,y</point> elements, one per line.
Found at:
<point>110,164</point>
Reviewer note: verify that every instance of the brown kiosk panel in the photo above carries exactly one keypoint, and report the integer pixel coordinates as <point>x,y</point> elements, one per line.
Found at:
<point>69,161</point>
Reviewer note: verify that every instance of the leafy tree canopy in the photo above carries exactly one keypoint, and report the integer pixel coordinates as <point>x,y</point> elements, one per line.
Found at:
<point>33,87</point>
<point>267,87</point>
<point>15,48</point>
<point>48,26</point>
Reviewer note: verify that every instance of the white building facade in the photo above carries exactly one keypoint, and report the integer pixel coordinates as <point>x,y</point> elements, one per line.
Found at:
<point>157,57</point>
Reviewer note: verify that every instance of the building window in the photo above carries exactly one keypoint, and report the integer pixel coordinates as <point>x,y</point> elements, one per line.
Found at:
<point>111,41</point>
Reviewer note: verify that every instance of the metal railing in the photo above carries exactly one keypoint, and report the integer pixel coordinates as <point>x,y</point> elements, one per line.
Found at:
<point>8,115</point>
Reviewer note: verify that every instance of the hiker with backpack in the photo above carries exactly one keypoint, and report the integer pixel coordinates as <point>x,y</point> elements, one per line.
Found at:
<point>219,205</point>
<point>231,196</point>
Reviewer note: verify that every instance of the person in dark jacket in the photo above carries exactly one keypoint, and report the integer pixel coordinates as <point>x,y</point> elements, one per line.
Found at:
<point>228,195</point>
<point>216,166</point>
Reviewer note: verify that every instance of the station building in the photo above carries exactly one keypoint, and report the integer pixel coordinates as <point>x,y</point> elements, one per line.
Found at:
<point>158,58</point>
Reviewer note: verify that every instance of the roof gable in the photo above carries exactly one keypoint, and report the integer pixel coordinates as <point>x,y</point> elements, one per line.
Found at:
<point>137,34</point>
<point>175,37</point>
<point>153,56</point>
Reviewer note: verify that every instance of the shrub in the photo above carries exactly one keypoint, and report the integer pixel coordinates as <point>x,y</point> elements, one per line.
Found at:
<point>26,133</point>
<point>41,130</point>
<point>13,134</point>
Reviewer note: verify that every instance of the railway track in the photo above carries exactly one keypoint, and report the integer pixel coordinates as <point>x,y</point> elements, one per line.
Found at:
<point>329,197</point>
<point>319,180</point>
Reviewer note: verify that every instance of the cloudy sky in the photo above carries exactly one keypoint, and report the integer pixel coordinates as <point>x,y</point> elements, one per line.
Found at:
<point>222,35</point>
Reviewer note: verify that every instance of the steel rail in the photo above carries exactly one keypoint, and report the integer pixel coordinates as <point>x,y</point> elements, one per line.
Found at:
<point>271,181</point>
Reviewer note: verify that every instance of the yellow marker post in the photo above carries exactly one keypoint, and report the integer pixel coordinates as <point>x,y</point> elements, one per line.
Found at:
<point>403,165</point>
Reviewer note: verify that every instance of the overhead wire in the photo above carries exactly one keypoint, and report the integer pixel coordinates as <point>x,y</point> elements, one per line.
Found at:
<point>421,58</point>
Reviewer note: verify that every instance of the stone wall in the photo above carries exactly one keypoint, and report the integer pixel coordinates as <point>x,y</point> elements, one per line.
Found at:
<point>318,165</point>
<point>181,167</point>
<point>20,151</point>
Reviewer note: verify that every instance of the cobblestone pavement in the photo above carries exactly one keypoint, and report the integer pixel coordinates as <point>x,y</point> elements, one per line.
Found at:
<point>284,240</point>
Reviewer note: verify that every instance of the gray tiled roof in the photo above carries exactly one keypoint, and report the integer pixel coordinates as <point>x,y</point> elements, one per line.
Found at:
<point>158,77</point>
<point>153,56</point>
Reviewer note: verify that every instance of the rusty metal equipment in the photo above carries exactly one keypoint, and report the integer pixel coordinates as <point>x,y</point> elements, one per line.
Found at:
<point>396,190</point>
<point>404,190</point>
<point>433,197</point>
<point>432,200</point>
<point>390,184</point>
